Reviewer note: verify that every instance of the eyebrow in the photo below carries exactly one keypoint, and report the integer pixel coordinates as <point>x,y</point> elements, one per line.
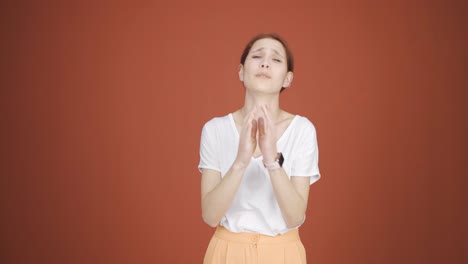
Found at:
<point>262,48</point>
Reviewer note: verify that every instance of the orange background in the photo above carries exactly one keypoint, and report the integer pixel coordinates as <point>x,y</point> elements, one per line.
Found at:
<point>103,105</point>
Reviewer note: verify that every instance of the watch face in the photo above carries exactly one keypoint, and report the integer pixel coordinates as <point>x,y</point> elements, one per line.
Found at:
<point>281,159</point>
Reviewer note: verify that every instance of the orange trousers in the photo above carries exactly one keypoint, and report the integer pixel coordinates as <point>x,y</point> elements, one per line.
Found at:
<point>248,248</point>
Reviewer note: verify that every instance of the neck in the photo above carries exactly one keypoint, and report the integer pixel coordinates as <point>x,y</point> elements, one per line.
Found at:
<point>258,100</point>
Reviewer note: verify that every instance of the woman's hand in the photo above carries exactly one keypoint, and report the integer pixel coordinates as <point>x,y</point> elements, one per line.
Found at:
<point>267,136</point>
<point>247,140</point>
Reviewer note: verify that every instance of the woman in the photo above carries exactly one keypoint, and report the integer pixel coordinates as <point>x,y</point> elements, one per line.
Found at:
<point>257,164</point>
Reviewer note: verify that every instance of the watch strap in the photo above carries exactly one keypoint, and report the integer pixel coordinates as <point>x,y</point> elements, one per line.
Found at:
<point>278,163</point>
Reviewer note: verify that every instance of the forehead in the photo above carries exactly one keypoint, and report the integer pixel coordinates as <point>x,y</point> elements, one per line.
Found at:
<point>268,43</point>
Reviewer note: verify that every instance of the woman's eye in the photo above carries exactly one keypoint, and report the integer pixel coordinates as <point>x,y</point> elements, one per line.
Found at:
<point>277,60</point>
<point>256,57</point>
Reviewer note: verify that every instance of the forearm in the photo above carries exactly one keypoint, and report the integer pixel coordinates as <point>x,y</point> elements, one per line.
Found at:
<point>216,202</point>
<point>293,206</point>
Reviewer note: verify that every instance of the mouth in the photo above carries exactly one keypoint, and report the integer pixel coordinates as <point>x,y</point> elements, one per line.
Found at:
<point>263,75</point>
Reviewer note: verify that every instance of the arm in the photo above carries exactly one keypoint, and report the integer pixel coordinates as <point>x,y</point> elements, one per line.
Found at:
<point>292,195</point>
<point>217,193</point>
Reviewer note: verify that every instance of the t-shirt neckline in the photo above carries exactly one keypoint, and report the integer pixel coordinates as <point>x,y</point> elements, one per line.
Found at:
<point>286,131</point>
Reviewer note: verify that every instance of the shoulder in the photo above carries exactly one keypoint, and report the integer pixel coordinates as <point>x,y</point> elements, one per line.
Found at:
<point>217,122</point>
<point>303,123</point>
<point>299,121</point>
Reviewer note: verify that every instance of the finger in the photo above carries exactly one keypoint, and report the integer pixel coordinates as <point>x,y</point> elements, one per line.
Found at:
<point>261,126</point>
<point>249,116</point>
<point>266,113</point>
<point>254,129</point>
<point>246,119</point>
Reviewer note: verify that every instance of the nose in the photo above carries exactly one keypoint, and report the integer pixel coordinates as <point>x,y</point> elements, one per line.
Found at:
<point>265,65</point>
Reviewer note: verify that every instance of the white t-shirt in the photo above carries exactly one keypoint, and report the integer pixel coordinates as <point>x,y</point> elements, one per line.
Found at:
<point>255,208</point>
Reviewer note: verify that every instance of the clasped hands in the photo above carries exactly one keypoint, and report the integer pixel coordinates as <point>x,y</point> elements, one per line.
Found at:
<point>257,129</point>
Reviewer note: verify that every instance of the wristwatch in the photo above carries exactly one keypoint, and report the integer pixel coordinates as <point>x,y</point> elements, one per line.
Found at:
<point>278,163</point>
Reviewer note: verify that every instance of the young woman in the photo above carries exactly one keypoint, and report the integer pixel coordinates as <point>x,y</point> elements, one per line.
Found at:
<point>257,164</point>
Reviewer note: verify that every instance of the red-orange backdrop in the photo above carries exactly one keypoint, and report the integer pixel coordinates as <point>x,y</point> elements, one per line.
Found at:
<point>103,104</point>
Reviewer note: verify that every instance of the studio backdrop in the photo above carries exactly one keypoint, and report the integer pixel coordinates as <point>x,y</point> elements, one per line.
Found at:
<point>103,106</point>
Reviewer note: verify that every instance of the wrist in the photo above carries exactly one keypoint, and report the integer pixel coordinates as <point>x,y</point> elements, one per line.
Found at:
<point>276,164</point>
<point>270,157</point>
<point>239,165</point>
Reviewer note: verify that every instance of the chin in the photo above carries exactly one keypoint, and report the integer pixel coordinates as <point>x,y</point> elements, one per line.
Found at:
<point>261,87</point>
<point>267,89</point>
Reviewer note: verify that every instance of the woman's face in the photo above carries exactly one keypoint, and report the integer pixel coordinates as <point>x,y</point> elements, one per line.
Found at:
<point>265,68</point>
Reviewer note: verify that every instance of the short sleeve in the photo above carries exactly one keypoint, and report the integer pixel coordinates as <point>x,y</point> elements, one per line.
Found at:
<point>306,163</point>
<point>208,153</point>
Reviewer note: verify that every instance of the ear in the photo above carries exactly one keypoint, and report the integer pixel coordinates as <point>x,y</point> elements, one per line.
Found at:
<point>288,80</point>
<point>241,72</point>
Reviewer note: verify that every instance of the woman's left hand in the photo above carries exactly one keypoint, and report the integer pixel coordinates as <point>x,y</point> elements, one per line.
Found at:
<point>267,136</point>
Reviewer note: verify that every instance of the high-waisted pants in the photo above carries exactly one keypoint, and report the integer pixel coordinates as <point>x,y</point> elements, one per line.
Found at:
<point>249,248</point>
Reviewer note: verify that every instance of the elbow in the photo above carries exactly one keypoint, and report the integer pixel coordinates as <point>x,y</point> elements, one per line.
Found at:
<point>294,223</point>
<point>208,216</point>
<point>211,221</point>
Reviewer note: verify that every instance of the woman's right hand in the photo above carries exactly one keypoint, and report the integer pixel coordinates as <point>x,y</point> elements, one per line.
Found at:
<point>247,140</point>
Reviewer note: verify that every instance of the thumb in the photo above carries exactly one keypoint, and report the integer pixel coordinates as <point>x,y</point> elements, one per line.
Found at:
<point>261,126</point>
<point>254,129</point>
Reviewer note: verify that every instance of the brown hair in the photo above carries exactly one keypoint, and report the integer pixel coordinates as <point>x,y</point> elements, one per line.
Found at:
<point>289,56</point>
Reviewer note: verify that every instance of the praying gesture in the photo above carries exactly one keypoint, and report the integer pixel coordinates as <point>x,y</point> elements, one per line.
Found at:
<point>258,130</point>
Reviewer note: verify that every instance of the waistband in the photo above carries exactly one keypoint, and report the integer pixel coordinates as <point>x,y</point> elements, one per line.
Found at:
<point>252,238</point>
